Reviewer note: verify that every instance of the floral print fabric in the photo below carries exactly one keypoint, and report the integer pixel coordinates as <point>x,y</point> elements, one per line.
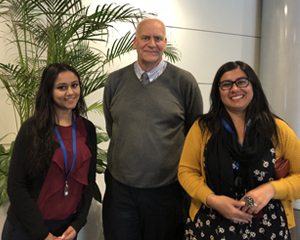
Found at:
<point>209,224</point>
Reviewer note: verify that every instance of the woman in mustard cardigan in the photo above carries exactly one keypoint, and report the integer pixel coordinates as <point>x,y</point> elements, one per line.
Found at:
<point>227,164</point>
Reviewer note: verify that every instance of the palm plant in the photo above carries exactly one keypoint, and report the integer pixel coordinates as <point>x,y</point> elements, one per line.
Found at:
<point>49,31</point>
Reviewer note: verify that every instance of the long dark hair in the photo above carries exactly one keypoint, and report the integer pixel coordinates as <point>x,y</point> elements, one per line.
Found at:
<point>258,108</point>
<point>43,119</point>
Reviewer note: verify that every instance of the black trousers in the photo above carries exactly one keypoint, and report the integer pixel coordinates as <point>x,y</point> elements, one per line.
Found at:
<point>18,232</point>
<point>142,214</point>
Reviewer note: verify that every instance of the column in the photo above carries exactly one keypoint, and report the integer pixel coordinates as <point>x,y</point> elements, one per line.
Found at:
<point>280,65</point>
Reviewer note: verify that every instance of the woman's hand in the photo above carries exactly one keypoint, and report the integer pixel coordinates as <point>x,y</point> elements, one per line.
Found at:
<point>228,208</point>
<point>261,196</point>
<point>69,234</point>
<point>50,237</point>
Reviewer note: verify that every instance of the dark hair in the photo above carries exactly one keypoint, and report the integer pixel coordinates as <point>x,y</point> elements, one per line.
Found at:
<point>258,108</point>
<point>43,118</point>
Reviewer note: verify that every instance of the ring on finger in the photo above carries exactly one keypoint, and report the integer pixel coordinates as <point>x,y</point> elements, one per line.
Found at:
<point>249,202</point>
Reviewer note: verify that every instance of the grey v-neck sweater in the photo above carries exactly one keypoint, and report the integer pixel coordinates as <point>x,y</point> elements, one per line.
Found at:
<point>147,124</point>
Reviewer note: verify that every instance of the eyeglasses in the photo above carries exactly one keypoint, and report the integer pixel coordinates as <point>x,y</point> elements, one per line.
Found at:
<point>240,82</point>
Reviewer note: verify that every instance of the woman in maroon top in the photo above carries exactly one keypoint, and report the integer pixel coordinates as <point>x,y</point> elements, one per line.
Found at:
<point>52,172</point>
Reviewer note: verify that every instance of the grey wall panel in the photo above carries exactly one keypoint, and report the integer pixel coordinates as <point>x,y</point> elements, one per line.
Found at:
<point>204,52</point>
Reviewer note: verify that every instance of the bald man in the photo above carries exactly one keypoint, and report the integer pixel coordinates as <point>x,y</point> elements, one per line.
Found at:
<point>149,107</point>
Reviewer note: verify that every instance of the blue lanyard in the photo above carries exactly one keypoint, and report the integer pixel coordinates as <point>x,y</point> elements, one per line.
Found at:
<point>231,131</point>
<point>66,191</point>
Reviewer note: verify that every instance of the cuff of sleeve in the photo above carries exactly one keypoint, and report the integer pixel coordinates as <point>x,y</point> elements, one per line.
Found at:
<point>280,189</point>
<point>204,194</point>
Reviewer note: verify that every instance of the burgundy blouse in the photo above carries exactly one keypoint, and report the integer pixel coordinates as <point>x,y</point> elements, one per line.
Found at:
<point>51,201</point>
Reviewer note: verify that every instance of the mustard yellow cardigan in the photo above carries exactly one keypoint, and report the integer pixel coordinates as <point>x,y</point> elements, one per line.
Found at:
<point>192,177</point>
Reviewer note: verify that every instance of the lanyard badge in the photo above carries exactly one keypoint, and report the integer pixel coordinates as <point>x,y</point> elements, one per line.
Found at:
<point>66,189</point>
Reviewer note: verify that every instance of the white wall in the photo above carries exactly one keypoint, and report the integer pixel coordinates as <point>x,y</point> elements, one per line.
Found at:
<point>7,118</point>
<point>207,32</point>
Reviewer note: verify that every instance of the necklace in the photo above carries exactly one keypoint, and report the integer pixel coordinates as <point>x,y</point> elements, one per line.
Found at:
<point>66,189</point>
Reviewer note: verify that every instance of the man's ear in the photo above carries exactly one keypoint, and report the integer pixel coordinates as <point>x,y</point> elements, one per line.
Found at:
<point>165,44</point>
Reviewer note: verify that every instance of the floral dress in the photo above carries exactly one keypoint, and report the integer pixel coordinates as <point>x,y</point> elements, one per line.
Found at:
<point>209,224</point>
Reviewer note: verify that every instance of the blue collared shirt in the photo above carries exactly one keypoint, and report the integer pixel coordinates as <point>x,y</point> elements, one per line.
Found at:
<point>154,73</point>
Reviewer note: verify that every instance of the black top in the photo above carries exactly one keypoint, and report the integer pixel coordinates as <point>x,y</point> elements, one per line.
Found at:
<point>23,192</point>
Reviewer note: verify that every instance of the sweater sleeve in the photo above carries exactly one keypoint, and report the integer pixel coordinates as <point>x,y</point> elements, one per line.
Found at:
<point>80,217</point>
<point>111,85</point>
<point>288,188</point>
<point>193,101</point>
<point>22,203</point>
<point>107,96</point>
<point>191,171</point>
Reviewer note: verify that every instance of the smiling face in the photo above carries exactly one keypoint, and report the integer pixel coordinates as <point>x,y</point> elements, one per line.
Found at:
<point>236,100</point>
<point>66,91</point>
<point>150,43</point>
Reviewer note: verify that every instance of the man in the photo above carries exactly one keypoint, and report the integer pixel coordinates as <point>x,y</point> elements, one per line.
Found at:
<point>147,118</point>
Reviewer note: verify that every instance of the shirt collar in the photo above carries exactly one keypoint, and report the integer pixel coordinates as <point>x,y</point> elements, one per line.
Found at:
<point>152,74</point>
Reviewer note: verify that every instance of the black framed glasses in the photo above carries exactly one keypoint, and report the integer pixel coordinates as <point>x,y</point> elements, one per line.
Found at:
<point>240,82</point>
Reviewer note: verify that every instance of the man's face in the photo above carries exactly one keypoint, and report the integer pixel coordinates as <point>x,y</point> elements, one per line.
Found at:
<point>150,43</point>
